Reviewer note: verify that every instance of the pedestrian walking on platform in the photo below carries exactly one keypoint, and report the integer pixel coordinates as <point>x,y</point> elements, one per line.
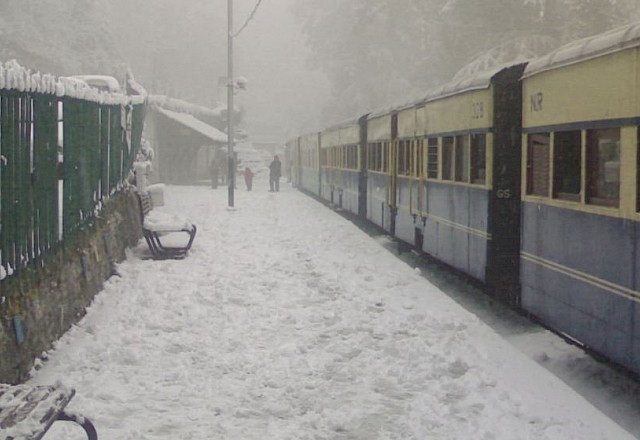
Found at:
<point>275,170</point>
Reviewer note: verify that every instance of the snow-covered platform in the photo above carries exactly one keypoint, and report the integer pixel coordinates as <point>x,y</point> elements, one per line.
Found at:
<point>288,322</point>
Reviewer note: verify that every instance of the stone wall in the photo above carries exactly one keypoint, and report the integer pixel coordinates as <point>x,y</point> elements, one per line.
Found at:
<point>46,302</point>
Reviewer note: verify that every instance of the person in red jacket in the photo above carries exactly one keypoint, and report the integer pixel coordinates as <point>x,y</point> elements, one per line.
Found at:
<point>248,178</point>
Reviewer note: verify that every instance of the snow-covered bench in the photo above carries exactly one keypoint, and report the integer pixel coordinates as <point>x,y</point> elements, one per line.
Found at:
<point>27,412</point>
<point>157,223</point>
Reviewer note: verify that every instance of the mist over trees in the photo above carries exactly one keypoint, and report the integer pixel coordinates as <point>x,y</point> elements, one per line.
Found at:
<point>379,53</point>
<point>173,48</point>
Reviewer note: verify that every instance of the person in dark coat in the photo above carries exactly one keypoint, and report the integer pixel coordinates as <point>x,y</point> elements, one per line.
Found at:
<point>275,170</point>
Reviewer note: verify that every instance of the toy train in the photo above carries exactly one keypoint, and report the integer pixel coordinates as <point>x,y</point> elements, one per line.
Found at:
<point>524,177</point>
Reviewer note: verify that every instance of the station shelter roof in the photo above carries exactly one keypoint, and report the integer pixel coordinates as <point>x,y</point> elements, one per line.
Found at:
<point>196,125</point>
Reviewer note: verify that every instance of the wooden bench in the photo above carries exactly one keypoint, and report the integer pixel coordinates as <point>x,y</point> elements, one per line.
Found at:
<point>27,412</point>
<point>156,224</point>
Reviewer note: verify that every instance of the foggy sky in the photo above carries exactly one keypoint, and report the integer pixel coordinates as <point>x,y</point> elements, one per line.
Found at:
<point>284,97</point>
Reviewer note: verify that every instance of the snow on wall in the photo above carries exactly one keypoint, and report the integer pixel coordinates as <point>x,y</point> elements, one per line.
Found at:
<point>13,76</point>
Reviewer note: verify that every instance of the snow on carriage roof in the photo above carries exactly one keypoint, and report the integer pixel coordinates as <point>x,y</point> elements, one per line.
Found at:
<point>341,125</point>
<point>615,40</point>
<point>475,81</point>
<point>385,111</point>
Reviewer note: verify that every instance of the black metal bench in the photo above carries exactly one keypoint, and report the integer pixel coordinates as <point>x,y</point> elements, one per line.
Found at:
<point>27,412</point>
<point>152,230</point>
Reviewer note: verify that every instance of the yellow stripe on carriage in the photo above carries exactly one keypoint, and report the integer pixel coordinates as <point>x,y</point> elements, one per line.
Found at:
<point>616,289</point>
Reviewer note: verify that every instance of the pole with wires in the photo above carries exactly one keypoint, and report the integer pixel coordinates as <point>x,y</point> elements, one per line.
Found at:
<point>231,86</point>
<point>231,172</point>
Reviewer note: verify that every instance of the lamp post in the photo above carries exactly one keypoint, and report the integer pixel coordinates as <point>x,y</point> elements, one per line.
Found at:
<point>231,173</point>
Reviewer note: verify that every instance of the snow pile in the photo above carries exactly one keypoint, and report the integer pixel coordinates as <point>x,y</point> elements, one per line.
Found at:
<point>159,221</point>
<point>287,322</point>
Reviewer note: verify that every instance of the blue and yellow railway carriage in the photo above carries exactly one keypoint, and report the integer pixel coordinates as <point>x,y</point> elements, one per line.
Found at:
<point>309,163</point>
<point>470,204</point>
<point>580,224</point>
<point>340,166</point>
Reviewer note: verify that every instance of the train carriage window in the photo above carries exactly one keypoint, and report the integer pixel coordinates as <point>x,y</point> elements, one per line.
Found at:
<point>377,156</point>
<point>350,157</point>
<point>432,158</point>
<point>408,163</point>
<point>538,148</point>
<point>402,158</point>
<point>462,159</point>
<point>419,158</point>
<point>478,158</point>
<point>354,159</point>
<point>447,158</point>
<point>385,157</point>
<point>405,151</point>
<point>603,167</point>
<point>638,174</point>
<point>411,151</point>
<point>567,159</point>
<point>347,156</point>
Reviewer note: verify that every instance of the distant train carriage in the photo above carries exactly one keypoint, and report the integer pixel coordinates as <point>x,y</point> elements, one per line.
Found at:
<point>309,160</point>
<point>471,197</point>
<point>340,166</point>
<point>581,222</point>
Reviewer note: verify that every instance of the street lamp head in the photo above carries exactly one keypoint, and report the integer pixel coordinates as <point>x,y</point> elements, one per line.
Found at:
<point>241,83</point>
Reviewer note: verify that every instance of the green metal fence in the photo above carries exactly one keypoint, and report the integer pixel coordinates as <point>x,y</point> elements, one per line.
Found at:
<point>59,159</point>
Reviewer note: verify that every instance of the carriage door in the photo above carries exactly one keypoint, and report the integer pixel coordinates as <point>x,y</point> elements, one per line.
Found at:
<point>392,173</point>
<point>362,173</point>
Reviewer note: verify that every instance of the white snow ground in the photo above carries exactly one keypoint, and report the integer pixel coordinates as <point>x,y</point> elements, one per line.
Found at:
<point>288,322</point>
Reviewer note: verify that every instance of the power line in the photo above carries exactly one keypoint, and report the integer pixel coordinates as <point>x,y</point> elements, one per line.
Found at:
<point>255,9</point>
